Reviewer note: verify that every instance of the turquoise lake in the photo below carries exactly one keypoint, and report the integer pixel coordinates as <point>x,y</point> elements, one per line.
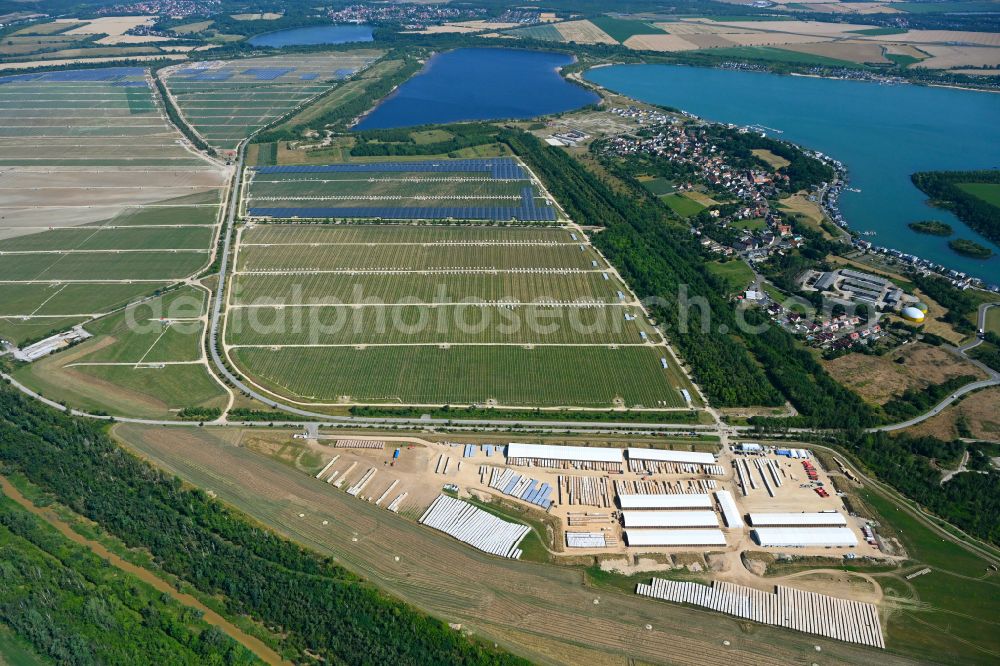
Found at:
<point>317,34</point>
<point>882,133</point>
<point>481,84</point>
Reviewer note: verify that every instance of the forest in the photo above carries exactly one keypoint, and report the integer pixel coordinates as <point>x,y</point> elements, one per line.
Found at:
<point>311,604</point>
<point>75,608</point>
<point>970,500</point>
<point>944,189</point>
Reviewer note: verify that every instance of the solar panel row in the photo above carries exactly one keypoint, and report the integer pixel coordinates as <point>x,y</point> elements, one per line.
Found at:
<point>523,213</point>
<point>500,167</point>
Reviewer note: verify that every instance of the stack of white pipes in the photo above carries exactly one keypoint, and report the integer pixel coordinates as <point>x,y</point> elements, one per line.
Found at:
<point>473,526</point>
<point>809,612</point>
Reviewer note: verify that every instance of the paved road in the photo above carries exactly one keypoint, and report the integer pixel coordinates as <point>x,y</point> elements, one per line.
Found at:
<point>968,388</point>
<point>980,326</point>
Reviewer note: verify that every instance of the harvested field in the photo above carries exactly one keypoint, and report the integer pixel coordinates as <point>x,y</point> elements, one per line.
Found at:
<point>109,25</point>
<point>583,32</point>
<point>950,57</point>
<point>878,379</point>
<point>64,61</point>
<point>852,51</point>
<point>772,159</point>
<point>661,43</point>
<point>950,37</point>
<point>227,100</point>
<point>497,599</point>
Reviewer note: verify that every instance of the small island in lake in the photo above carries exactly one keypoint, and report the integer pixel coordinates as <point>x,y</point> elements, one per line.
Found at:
<point>970,249</point>
<point>932,227</point>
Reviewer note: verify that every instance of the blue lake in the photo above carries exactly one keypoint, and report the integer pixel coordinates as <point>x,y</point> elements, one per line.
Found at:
<point>481,84</point>
<point>883,133</point>
<point>317,34</point>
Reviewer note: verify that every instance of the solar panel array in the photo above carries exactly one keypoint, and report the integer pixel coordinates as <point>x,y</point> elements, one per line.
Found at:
<point>77,75</point>
<point>267,73</point>
<point>501,168</point>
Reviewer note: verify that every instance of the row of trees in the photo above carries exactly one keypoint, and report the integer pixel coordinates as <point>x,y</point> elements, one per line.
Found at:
<point>313,605</point>
<point>403,143</point>
<point>659,261</point>
<point>340,115</point>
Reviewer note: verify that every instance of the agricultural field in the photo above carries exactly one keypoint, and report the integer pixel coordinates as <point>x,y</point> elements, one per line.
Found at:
<point>226,101</point>
<point>145,361</point>
<point>497,189</point>
<point>101,200</point>
<point>682,205</point>
<point>432,314</point>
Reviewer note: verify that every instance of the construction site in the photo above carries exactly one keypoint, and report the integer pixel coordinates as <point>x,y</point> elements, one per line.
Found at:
<point>635,503</point>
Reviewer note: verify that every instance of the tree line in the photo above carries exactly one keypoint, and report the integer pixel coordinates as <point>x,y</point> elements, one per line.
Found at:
<point>75,608</point>
<point>943,189</point>
<point>313,606</point>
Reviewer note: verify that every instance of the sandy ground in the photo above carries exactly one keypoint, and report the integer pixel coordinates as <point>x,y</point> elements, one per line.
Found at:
<point>859,52</point>
<point>879,378</point>
<point>979,411</point>
<point>583,32</point>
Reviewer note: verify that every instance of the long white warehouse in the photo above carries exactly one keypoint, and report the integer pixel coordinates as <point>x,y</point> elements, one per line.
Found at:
<point>822,519</point>
<point>672,501</point>
<point>730,513</point>
<point>805,537</point>
<point>670,519</point>
<point>562,457</point>
<point>675,538</point>
<point>683,457</point>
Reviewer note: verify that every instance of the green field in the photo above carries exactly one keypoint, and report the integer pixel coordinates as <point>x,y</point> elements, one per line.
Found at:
<point>428,324</point>
<point>436,314</point>
<point>736,274</point>
<point>544,32</point>
<point>773,54</point>
<point>415,257</point>
<point>142,265</point>
<point>393,288</point>
<point>88,238</point>
<point>621,29</point>
<point>988,192</point>
<point>681,205</point>
<point>948,615</point>
<point>511,375</point>
<point>136,364</point>
<point>659,186</point>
